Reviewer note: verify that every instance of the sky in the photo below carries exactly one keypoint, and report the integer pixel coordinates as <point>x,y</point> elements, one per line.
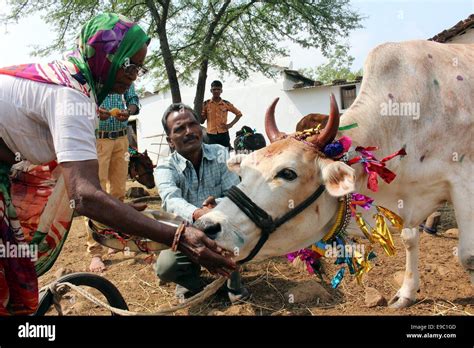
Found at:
<point>392,21</point>
<point>385,21</point>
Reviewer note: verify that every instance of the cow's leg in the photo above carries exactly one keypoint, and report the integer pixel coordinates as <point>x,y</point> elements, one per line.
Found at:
<point>463,209</point>
<point>411,282</point>
<point>466,249</point>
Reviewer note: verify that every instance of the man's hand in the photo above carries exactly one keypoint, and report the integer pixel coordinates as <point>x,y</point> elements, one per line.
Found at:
<point>207,205</point>
<point>210,202</point>
<point>104,114</point>
<point>204,251</point>
<point>200,212</point>
<point>236,119</point>
<point>123,115</point>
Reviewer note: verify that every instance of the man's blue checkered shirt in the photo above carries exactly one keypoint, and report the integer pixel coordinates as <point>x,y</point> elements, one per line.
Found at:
<point>182,190</point>
<point>120,102</point>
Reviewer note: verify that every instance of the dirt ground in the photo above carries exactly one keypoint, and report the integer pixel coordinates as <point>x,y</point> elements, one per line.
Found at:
<point>280,288</point>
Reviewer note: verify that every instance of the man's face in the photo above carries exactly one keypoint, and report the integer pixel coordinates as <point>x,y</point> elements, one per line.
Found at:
<point>185,132</point>
<point>216,91</point>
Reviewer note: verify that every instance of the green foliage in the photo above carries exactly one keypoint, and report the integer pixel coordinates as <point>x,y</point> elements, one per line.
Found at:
<point>235,36</point>
<point>338,66</point>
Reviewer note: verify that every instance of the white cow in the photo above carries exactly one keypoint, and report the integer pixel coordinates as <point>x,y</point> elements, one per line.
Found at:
<point>438,82</point>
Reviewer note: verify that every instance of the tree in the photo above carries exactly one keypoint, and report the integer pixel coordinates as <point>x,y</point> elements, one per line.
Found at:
<point>233,36</point>
<point>339,66</point>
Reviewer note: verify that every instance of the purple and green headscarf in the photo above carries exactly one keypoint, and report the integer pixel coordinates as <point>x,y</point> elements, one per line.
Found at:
<point>103,44</point>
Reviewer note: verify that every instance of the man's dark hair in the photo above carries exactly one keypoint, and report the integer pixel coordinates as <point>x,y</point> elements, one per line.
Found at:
<point>172,108</point>
<point>216,83</point>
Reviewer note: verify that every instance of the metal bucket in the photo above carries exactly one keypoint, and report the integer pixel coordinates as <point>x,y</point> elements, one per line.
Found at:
<point>122,242</point>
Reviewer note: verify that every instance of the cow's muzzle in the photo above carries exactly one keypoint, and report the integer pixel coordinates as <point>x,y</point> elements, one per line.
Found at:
<point>211,229</point>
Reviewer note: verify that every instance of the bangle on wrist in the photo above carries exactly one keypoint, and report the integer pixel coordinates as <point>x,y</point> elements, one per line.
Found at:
<point>177,236</point>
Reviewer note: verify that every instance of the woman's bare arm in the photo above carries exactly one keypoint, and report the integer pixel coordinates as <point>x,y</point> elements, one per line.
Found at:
<point>83,186</point>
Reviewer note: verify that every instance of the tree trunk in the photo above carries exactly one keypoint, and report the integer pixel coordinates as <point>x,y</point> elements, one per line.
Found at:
<point>160,20</point>
<point>170,69</point>
<point>201,87</point>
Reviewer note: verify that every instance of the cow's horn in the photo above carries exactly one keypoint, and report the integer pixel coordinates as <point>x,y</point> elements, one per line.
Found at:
<point>329,132</point>
<point>270,125</point>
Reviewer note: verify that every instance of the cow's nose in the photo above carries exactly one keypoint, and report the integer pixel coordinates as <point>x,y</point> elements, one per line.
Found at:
<point>210,228</point>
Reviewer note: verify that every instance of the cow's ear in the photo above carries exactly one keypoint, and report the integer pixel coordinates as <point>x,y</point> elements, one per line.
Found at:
<point>338,177</point>
<point>233,163</point>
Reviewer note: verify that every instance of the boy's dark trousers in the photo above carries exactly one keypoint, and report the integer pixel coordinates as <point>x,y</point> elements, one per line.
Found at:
<point>220,138</point>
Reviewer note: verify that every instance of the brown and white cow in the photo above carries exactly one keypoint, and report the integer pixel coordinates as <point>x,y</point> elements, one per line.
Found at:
<point>438,81</point>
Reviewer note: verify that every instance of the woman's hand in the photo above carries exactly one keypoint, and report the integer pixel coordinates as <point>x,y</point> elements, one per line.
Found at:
<point>204,251</point>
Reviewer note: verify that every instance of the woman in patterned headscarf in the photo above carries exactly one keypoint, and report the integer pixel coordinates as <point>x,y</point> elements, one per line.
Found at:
<point>49,113</point>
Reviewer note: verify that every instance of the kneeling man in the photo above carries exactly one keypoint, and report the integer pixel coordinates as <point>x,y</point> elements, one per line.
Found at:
<point>187,182</point>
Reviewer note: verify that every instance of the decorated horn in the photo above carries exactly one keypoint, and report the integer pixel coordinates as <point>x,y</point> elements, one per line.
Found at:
<point>329,132</point>
<point>270,125</point>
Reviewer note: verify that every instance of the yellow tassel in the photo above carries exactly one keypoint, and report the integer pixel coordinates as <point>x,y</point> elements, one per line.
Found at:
<point>363,227</point>
<point>383,235</point>
<point>364,265</point>
<point>394,219</point>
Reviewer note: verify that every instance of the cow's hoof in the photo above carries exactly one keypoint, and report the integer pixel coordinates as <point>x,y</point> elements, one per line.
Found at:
<point>400,302</point>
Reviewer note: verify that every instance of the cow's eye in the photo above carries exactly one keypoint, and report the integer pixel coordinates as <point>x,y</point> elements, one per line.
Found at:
<point>287,174</point>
